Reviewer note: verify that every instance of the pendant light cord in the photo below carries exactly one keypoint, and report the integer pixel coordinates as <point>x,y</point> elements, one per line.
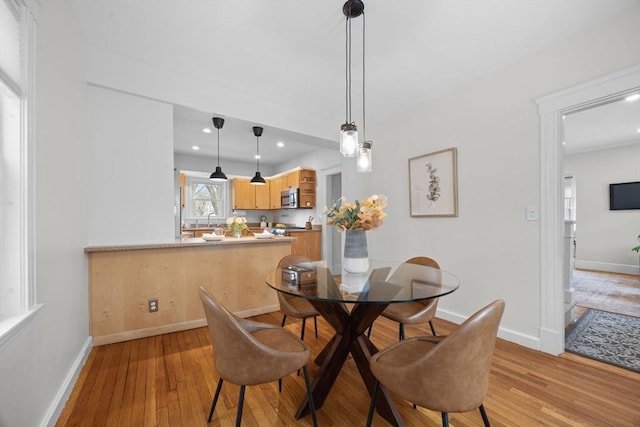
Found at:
<point>364,122</point>
<point>347,50</point>
<point>218,145</point>
<point>257,153</point>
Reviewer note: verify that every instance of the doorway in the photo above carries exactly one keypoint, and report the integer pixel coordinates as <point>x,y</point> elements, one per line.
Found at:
<point>551,110</point>
<point>333,240</point>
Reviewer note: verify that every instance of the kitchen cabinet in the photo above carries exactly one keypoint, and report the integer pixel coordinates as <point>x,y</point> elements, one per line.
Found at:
<point>291,180</point>
<point>275,188</point>
<point>248,196</point>
<point>183,183</point>
<point>307,185</point>
<point>308,243</point>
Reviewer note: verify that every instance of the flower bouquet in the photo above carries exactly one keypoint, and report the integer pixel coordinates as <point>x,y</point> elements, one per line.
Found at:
<point>356,219</point>
<point>365,215</point>
<point>236,225</point>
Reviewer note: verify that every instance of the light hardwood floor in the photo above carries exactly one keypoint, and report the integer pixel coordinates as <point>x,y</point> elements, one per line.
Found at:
<point>169,380</point>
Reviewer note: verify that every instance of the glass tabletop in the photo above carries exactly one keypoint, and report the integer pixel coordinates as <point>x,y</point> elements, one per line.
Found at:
<point>385,282</point>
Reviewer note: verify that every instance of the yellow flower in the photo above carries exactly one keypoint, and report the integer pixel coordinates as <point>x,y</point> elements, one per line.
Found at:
<point>365,215</point>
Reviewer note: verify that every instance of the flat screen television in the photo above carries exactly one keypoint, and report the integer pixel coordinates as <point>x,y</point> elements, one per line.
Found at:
<point>625,195</point>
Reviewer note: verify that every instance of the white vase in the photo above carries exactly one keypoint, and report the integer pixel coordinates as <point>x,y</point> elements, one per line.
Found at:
<point>356,256</point>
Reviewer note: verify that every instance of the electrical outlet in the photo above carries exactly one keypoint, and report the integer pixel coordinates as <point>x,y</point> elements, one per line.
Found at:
<point>153,305</point>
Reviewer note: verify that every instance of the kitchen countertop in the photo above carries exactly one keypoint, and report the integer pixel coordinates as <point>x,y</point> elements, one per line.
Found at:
<point>191,242</point>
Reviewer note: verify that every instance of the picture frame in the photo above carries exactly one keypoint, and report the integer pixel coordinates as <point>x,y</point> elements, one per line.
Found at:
<point>433,184</point>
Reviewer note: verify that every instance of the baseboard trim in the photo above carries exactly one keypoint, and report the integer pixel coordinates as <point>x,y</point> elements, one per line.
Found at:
<point>608,267</point>
<point>504,333</point>
<point>173,327</point>
<point>56,407</point>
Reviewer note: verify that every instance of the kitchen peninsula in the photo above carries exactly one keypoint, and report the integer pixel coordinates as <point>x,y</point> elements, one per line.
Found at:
<point>124,282</point>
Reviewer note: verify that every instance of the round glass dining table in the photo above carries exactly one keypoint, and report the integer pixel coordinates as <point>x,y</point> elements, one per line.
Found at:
<point>350,303</point>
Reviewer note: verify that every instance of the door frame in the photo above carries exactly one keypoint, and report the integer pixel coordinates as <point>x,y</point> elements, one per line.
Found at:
<point>551,109</point>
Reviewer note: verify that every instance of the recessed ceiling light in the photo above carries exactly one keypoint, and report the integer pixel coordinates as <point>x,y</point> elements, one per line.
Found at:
<point>638,130</point>
<point>206,130</point>
<point>280,144</point>
<point>257,156</point>
<point>195,147</point>
<point>633,97</point>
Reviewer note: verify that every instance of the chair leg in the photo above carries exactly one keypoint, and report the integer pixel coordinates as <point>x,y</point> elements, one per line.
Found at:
<point>304,324</point>
<point>284,319</point>
<point>485,419</point>
<point>312,405</point>
<point>372,405</point>
<point>215,399</point>
<point>279,385</point>
<point>240,403</point>
<point>445,419</point>
<point>401,332</point>
<point>315,325</point>
<point>433,330</point>
<point>369,333</point>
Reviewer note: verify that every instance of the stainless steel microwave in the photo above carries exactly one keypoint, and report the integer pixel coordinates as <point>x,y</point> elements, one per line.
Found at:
<point>290,198</point>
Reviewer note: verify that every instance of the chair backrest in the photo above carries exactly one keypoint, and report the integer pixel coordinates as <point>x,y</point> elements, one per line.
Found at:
<point>454,375</point>
<point>234,349</point>
<point>283,298</point>
<point>406,273</point>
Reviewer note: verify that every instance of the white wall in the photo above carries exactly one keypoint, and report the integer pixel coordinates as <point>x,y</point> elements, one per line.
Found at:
<point>605,238</point>
<point>131,169</point>
<point>494,124</point>
<point>38,363</point>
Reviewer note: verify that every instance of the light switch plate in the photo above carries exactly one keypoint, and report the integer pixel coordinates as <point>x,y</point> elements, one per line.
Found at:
<point>532,213</point>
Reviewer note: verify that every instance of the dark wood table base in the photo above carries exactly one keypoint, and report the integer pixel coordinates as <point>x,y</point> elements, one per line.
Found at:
<point>349,339</point>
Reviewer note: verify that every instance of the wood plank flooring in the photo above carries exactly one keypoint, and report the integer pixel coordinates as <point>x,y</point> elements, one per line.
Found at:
<point>169,380</point>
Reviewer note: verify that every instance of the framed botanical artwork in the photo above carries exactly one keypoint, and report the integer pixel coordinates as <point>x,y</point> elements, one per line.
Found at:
<point>433,184</point>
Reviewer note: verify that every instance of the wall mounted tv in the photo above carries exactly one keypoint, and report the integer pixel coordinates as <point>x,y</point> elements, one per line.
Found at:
<point>625,195</point>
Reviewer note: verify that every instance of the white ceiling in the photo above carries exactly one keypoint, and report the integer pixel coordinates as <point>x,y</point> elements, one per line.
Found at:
<point>291,54</point>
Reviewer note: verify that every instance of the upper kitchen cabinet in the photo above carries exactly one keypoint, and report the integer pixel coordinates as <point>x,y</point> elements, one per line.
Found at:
<point>275,188</point>
<point>248,196</point>
<point>307,185</point>
<point>291,180</point>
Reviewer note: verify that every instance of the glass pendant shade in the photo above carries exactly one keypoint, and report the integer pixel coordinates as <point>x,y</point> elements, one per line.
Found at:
<point>364,157</point>
<point>348,139</point>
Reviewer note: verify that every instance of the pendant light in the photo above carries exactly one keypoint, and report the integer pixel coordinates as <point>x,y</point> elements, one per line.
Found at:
<point>349,130</point>
<point>363,163</point>
<point>218,175</point>
<point>258,179</point>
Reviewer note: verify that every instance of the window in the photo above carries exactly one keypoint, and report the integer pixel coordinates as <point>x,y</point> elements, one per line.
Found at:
<point>17,31</point>
<point>206,199</point>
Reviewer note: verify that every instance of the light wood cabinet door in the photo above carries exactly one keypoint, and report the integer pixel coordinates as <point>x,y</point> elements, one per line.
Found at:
<point>261,196</point>
<point>275,188</point>
<point>243,194</point>
<point>291,180</point>
<point>307,243</point>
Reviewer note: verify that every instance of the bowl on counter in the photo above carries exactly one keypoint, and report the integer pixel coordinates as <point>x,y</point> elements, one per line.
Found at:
<point>264,235</point>
<point>213,237</point>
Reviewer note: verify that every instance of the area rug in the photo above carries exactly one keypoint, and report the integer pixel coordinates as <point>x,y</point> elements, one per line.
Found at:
<point>617,293</point>
<point>607,337</point>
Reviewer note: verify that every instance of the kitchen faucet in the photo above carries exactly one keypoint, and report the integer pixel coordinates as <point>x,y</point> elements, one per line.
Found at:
<point>209,219</point>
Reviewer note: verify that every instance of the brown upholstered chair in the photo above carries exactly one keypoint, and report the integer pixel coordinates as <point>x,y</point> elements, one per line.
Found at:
<point>446,374</point>
<point>294,306</point>
<point>249,353</point>
<point>411,313</point>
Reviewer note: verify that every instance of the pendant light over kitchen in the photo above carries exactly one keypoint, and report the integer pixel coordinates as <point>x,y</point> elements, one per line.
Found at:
<point>349,145</point>
<point>258,179</point>
<point>218,175</point>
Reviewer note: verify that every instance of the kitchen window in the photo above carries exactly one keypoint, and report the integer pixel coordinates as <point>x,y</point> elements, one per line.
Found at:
<point>206,200</point>
<point>17,47</point>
